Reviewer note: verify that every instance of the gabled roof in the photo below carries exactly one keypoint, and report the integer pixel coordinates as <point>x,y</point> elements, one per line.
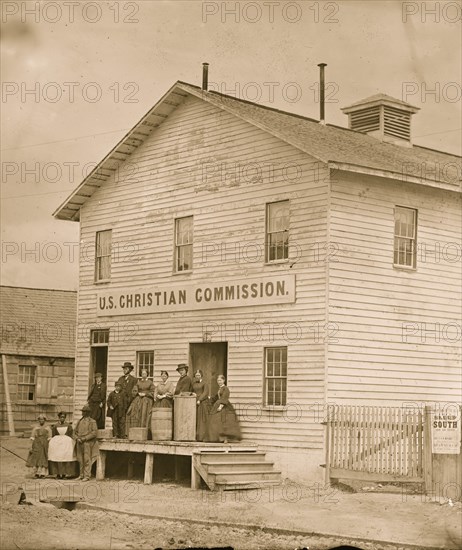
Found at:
<point>37,322</point>
<point>325,142</point>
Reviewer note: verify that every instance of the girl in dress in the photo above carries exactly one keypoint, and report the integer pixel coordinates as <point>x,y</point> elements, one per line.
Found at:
<point>61,449</point>
<point>146,392</point>
<point>203,405</point>
<point>163,396</point>
<point>38,455</point>
<point>223,424</point>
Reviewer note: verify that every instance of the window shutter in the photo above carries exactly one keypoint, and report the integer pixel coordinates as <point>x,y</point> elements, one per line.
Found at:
<point>47,384</point>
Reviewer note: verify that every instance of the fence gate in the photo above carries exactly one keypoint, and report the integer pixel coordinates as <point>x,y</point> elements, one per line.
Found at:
<point>374,443</point>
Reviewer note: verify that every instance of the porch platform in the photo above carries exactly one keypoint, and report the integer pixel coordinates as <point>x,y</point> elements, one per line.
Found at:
<point>176,448</point>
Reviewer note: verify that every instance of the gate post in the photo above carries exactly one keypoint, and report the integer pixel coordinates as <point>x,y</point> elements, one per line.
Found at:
<point>427,450</point>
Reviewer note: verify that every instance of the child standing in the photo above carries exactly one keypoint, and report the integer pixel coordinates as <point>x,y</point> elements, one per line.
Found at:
<point>116,410</point>
<point>38,455</point>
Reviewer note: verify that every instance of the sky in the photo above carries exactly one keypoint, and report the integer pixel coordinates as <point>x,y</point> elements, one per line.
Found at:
<point>76,76</point>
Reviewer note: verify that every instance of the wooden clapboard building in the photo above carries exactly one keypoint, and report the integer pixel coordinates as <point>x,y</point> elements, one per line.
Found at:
<point>38,349</point>
<point>309,263</point>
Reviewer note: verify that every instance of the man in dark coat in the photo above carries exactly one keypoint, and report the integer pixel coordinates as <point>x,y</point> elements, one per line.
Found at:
<point>97,400</point>
<point>127,383</point>
<point>184,383</point>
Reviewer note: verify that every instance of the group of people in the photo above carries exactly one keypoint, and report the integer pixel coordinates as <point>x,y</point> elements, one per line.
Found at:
<point>131,403</point>
<point>56,450</point>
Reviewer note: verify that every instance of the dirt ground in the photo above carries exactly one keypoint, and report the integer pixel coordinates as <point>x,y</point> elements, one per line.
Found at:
<point>177,517</point>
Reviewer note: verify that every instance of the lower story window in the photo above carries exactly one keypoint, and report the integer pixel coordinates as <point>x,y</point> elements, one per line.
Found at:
<point>276,376</point>
<point>145,361</point>
<point>26,382</point>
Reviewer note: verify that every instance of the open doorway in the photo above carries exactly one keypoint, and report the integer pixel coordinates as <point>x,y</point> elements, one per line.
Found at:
<point>211,359</point>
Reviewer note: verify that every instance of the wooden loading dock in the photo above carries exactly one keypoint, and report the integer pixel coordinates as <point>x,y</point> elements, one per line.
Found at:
<point>219,465</point>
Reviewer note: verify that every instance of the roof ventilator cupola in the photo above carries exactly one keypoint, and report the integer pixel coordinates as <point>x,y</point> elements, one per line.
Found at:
<point>384,117</point>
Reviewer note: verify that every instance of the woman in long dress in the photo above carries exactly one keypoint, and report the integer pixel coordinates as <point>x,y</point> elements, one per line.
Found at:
<point>223,424</point>
<point>163,395</point>
<point>133,416</point>
<point>146,392</point>
<point>38,455</point>
<point>61,449</point>
<point>200,388</point>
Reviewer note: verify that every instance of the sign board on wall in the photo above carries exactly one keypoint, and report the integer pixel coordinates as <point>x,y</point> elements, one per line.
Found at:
<point>446,433</point>
<point>162,298</point>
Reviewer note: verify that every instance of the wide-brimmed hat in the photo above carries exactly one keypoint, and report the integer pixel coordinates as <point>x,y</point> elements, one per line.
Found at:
<point>128,365</point>
<point>86,408</point>
<point>117,383</point>
<point>182,366</point>
<point>98,374</point>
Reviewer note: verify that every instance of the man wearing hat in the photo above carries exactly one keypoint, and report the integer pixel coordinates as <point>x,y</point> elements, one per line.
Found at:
<point>127,382</point>
<point>86,446</point>
<point>184,383</point>
<point>97,400</point>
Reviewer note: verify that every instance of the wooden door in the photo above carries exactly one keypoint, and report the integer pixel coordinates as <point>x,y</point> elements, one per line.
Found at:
<point>211,359</point>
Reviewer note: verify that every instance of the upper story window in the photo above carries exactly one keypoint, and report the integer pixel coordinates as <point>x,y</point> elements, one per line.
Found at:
<point>405,245</point>
<point>183,244</point>
<point>277,231</point>
<point>103,249</point>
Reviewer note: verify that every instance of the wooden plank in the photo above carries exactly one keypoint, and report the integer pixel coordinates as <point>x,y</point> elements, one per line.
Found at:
<point>369,476</point>
<point>427,450</point>
<point>149,469</point>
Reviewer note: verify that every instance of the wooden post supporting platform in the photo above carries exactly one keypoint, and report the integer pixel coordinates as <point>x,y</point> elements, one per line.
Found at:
<point>195,477</point>
<point>149,468</point>
<point>101,465</point>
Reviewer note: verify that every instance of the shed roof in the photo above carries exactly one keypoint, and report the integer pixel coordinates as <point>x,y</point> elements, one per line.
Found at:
<point>37,322</point>
<point>327,143</point>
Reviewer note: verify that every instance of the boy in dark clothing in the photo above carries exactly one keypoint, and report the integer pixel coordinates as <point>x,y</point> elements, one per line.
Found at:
<point>116,410</point>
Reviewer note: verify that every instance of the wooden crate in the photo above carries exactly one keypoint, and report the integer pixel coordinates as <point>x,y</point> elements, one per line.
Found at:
<point>138,434</point>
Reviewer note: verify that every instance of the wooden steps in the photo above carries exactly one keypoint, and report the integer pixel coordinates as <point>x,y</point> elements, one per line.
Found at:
<point>228,470</point>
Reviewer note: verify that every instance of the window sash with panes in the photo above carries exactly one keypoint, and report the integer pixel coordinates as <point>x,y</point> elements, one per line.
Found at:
<point>26,382</point>
<point>99,337</point>
<point>183,244</point>
<point>405,245</point>
<point>277,231</point>
<point>145,360</point>
<point>276,376</point>
<point>103,255</point>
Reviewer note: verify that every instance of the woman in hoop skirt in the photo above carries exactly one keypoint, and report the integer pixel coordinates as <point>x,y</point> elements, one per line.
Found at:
<point>223,424</point>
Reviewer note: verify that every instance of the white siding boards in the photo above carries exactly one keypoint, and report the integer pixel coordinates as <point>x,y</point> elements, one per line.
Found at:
<point>357,328</point>
<point>206,163</point>
<point>398,330</point>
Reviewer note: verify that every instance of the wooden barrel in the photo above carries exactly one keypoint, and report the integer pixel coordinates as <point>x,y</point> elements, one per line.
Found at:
<point>161,424</point>
<point>184,418</point>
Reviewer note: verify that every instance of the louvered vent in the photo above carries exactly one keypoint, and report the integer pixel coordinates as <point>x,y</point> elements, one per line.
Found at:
<point>367,120</point>
<point>396,123</point>
<point>383,117</point>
